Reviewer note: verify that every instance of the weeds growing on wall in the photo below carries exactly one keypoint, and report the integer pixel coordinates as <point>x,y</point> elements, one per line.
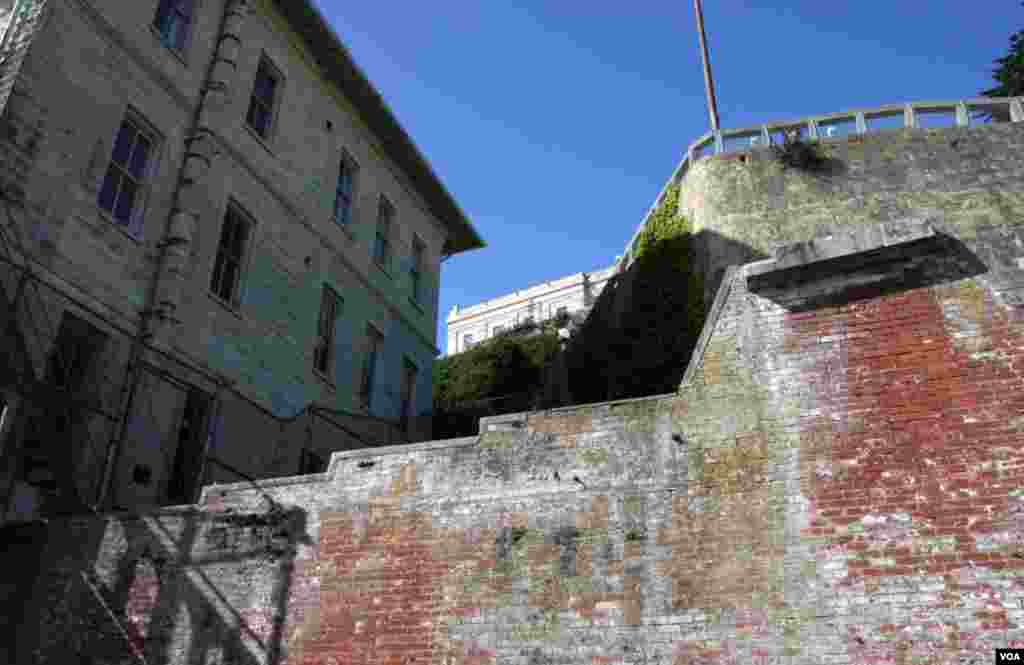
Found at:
<point>644,327</point>
<point>800,153</point>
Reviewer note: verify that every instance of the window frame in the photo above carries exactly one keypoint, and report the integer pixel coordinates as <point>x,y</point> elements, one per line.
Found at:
<point>249,223</point>
<point>382,241</point>
<point>346,161</point>
<point>325,337</point>
<point>179,51</point>
<point>266,64</point>
<point>374,340</point>
<point>143,183</point>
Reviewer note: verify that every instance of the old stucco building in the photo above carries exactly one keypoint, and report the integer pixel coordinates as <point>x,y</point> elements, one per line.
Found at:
<point>221,253</point>
<point>572,295</point>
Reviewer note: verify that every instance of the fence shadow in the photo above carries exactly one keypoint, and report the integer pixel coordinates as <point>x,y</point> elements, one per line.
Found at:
<point>151,589</point>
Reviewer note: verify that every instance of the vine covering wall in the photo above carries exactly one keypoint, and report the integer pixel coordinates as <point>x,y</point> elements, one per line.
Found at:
<point>639,337</point>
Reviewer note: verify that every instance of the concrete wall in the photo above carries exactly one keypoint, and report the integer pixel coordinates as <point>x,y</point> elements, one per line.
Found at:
<point>835,483</point>
<point>746,205</point>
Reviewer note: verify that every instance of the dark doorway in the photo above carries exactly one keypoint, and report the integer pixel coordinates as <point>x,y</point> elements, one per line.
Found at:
<point>188,457</point>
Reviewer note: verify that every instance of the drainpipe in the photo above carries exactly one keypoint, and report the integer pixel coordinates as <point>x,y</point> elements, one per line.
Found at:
<point>158,321</point>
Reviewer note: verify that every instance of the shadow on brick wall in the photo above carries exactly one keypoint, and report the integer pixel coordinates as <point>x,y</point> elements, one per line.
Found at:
<point>153,589</point>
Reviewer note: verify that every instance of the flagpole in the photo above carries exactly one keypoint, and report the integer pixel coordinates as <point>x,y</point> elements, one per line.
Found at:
<point>709,83</point>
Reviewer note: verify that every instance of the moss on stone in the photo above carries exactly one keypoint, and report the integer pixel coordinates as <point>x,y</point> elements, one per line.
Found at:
<point>593,456</point>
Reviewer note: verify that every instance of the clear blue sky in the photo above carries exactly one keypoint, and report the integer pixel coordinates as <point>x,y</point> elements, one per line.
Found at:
<point>555,123</point>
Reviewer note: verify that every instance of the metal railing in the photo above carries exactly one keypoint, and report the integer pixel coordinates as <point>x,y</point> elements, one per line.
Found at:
<point>914,115</point>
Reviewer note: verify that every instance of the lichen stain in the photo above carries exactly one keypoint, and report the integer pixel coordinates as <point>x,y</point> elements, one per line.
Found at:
<point>705,568</point>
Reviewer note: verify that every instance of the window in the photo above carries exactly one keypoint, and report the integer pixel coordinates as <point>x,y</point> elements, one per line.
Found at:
<point>373,343</point>
<point>264,94</point>
<point>184,478</point>
<point>173,20</point>
<point>382,243</point>
<point>227,270</point>
<point>408,384</point>
<point>124,183</point>
<point>416,269</point>
<point>345,191</point>
<point>330,308</point>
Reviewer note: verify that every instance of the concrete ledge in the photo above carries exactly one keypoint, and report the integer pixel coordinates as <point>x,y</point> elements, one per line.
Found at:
<point>861,262</point>
<point>842,243</point>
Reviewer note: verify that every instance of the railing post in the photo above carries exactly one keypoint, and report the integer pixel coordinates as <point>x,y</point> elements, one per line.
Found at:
<point>719,143</point>
<point>962,119</point>
<point>862,124</point>
<point>909,117</point>
<point>1016,110</point>
<point>766,138</point>
<point>812,130</point>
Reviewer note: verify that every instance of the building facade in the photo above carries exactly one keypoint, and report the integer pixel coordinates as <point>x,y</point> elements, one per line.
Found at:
<point>221,254</point>
<point>572,295</point>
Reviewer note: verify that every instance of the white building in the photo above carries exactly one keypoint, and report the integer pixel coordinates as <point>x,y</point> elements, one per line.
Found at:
<point>571,294</point>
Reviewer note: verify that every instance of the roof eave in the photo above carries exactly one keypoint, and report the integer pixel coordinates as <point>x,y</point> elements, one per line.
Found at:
<point>340,68</point>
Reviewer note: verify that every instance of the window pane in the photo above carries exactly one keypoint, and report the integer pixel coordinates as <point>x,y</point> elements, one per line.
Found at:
<point>180,33</point>
<point>237,239</point>
<point>228,279</point>
<point>163,15</point>
<point>218,273</point>
<point>140,156</point>
<point>185,8</point>
<point>345,178</point>
<point>341,208</point>
<point>265,85</point>
<point>109,191</point>
<point>125,201</point>
<point>258,118</point>
<point>123,144</point>
<point>227,232</point>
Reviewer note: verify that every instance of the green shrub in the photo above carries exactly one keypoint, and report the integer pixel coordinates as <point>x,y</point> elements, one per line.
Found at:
<point>505,365</point>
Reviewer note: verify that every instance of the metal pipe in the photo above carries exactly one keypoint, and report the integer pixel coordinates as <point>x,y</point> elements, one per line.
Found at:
<point>165,288</point>
<point>709,83</point>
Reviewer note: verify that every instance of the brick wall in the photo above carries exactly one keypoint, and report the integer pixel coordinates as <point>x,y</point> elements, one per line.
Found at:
<point>838,481</point>
<point>841,484</point>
